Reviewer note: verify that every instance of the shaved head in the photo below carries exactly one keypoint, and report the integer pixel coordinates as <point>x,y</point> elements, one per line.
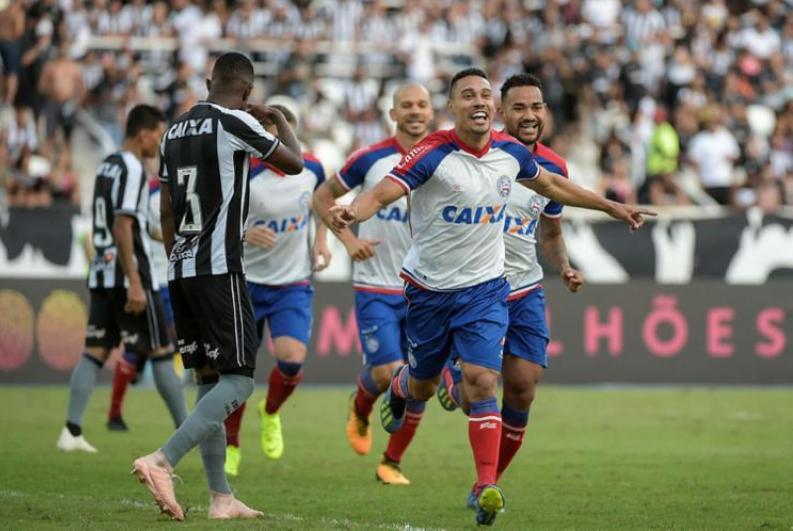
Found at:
<point>407,90</point>
<point>412,111</point>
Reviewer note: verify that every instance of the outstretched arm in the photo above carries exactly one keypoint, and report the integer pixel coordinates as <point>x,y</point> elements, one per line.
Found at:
<point>564,191</point>
<point>365,205</point>
<point>555,251</point>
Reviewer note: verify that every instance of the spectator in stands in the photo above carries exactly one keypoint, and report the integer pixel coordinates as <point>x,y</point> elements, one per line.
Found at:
<point>61,84</point>
<point>616,184</point>
<point>663,154</point>
<point>714,152</point>
<point>605,63</point>
<point>12,27</point>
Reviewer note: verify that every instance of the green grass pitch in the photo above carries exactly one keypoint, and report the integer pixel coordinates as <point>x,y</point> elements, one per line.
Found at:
<point>657,458</point>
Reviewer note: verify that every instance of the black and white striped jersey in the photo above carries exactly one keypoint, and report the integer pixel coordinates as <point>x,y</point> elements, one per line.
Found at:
<point>205,157</point>
<point>119,189</point>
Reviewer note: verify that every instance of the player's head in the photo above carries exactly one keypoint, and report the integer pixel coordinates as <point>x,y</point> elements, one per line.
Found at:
<point>288,114</point>
<point>232,79</point>
<point>145,126</point>
<point>412,110</point>
<point>523,107</point>
<point>471,101</point>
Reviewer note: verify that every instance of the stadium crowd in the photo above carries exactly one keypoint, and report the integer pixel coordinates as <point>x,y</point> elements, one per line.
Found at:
<point>666,102</point>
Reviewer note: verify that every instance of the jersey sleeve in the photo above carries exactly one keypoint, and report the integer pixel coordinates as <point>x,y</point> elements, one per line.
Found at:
<point>354,171</point>
<point>315,167</point>
<point>130,186</point>
<point>554,209</point>
<point>163,172</point>
<point>420,163</point>
<point>247,134</point>
<point>529,169</point>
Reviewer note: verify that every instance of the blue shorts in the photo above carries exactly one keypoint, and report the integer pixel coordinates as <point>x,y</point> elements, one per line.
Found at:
<point>287,310</point>
<point>528,336</point>
<point>165,297</point>
<point>470,323</point>
<point>381,327</point>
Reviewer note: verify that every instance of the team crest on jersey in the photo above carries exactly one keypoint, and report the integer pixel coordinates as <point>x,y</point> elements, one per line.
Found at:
<point>504,186</point>
<point>305,198</point>
<point>535,206</point>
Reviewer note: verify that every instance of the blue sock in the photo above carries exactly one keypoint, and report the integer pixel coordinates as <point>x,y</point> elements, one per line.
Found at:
<point>288,368</point>
<point>514,417</point>
<point>416,406</point>
<point>367,382</point>
<point>130,357</point>
<point>488,406</point>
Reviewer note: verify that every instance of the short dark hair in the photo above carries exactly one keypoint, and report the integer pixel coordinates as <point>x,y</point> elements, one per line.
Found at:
<point>519,80</point>
<point>232,67</point>
<point>473,71</point>
<point>143,117</point>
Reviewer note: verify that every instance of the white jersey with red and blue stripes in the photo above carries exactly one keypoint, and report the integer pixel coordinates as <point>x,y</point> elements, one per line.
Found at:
<point>524,209</point>
<point>281,203</point>
<point>459,198</point>
<point>366,168</point>
<point>159,258</point>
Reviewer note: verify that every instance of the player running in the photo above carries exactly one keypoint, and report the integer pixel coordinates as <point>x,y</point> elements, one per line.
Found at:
<point>279,260</point>
<point>205,157</point>
<point>130,366</point>
<point>125,306</point>
<point>379,252</point>
<point>523,111</point>
<point>459,181</point>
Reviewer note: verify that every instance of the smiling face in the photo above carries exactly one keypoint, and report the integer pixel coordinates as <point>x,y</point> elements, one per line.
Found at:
<point>523,111</point>
<point>471,104</point>
<point>412,110</point>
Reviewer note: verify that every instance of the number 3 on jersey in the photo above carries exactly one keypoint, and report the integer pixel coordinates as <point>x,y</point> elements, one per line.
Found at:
<point>192,221</point>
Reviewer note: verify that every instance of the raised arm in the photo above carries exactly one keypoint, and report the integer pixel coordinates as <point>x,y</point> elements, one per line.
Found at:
<point>564,191</point>
<point>287,156</point>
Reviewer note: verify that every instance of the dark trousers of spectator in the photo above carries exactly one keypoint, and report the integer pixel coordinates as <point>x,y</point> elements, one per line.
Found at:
<point>721,194</point>
<point>60,116</point>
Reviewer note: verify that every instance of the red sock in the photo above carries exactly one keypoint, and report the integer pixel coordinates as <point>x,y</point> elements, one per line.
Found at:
<point>233,423</point>
<point>123,375</point>
<point>511,441</point>
<point>364,402</point>
<point>399,441</point>
<point>279,389</point>
<point>484,434</point>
